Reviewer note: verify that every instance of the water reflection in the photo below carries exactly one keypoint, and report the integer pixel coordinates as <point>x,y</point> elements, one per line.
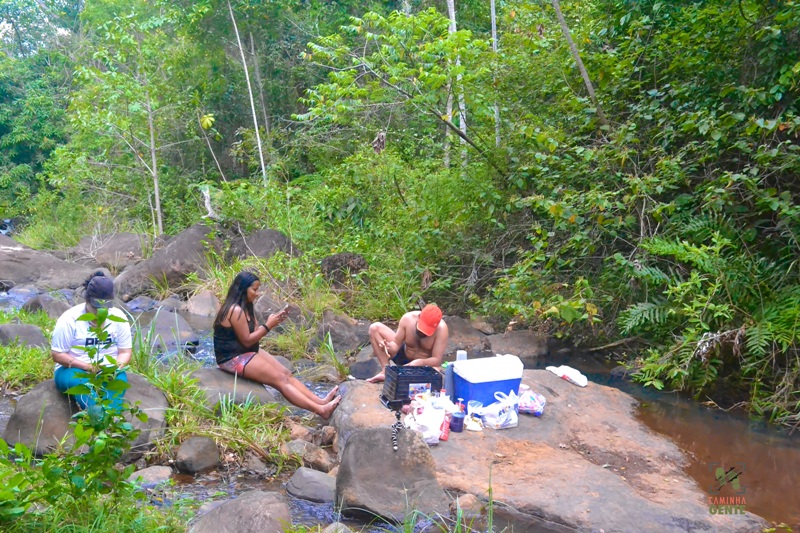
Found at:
<point>714,438</point>
<point>711,438</point>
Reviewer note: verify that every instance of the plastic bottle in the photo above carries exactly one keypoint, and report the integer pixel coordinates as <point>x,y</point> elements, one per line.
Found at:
<point>461,355</point>
<point>460,405</point>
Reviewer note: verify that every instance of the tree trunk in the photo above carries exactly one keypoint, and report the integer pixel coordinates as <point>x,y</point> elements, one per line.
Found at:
<point>494,75</point>
<point>447,135</point>
<point>576,56</point>
<point>259,85</point>
<point>462,106</point>
<point>250,93</point>
<point>154,165</point>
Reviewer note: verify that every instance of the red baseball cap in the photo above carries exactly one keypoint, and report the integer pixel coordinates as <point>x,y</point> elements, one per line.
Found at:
<point>429,319</point>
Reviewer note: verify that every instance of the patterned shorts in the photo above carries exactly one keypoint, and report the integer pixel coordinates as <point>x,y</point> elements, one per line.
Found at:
<point>237,364</point>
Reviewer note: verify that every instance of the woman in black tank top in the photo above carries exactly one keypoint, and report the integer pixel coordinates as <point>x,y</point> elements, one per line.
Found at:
<point>236,347</point>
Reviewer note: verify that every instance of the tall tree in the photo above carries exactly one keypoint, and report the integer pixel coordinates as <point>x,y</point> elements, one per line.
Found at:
<point>579,62</point>
<point>127,110</point>
<point>462,105</point>
<point>250,93</point>
<point>494,75</point>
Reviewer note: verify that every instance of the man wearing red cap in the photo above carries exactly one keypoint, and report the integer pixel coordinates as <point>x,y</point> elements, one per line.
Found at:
<point>420,340</point>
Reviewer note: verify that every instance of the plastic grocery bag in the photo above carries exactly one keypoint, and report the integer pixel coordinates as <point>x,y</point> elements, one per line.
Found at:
<point>425,419</point>
<point>530,402</point>
<point>503,413</point>
<point>570,374</point>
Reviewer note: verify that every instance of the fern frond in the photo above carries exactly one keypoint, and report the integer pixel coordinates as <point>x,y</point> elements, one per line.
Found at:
<point>644,313</point>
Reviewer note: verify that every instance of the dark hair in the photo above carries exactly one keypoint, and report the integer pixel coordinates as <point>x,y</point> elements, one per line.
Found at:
<point>98,290</point>
<point>237,295</point>
<point>93,275</point>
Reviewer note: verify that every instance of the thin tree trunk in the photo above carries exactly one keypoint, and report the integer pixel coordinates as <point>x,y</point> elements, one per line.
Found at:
<point>462,106</point>
<point>576,56</point>
<point>250,93</point>
<point>154,165</point>
<point>447,135</point>
<point>494,76</point>
<point>259,85</point>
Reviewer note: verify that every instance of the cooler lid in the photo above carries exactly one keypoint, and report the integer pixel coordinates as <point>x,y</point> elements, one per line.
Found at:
<point>487,369</point>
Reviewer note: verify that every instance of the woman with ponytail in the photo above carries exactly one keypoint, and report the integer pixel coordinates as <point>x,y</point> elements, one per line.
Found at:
<point>236,348</point>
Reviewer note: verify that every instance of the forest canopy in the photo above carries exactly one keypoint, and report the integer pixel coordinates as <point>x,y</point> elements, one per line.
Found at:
<point>604,170</point>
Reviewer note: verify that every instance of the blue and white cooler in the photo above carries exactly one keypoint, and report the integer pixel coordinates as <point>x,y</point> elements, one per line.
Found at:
<point>479,379</point>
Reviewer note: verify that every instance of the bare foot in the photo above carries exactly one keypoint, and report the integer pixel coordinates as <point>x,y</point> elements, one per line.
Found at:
<point>331,395</point>
<point>377,378</point>
<point>327,410</point>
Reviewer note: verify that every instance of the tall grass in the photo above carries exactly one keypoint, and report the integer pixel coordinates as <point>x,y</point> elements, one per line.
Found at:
<point>22,367</point>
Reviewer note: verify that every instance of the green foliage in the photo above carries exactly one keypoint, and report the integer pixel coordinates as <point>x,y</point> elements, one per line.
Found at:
<point>32,124</point>
<point>676,222</point>
<point>22,367</point>
<point>84,474</point>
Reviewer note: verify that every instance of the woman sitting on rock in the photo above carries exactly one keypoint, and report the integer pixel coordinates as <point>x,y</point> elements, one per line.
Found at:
<point>76,349</point>
<point>236,337</point>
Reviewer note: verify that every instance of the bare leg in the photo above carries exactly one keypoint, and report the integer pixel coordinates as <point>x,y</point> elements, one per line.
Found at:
<point>265,369</point>
<point>379,335</point>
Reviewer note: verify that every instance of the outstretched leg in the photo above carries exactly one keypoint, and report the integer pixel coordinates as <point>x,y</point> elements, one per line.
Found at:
<point>379,336</point>
<point>264,368</point>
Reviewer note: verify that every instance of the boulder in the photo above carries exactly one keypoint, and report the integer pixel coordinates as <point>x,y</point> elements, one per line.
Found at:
<point>527,345</point>
<point>482,324</point>
<point>462,336</point>
<point>169,332</point>
<point>365,369</point>
<point>570,461</point>
<point>312,485</point>
<point>54,307</point>
<point>263,243</point>
<point>255,466</point>
<point>114,251</point>
<point>141,304</point>
<point>347,335</point>
<point>473,512</point>
<point>197,455</point>
<point>337,527</point>
<point>587,464</point>
<point>184,254</point>
<point>152,477</point>
<point>218,384</point>
<point>252,512</point>
<point>312,455</point>
<point>339,268</point>
<point>376,480</point>
<point>204,303</point>
<point>360,407</point>
<point>20,264</point>
<point>46,405</point>
<point>23,335</point>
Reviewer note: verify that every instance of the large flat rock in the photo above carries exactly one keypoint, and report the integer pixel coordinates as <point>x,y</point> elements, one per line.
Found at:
<point>586,465</point>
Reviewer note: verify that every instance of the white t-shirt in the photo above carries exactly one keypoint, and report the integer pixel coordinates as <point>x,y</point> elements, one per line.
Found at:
<point>76,338</point>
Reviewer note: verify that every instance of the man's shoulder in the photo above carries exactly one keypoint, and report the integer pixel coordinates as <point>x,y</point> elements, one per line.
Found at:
<point>410,315</point>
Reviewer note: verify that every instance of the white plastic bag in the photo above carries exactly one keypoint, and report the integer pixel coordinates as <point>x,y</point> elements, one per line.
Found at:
<point>570,374</point>
<point>425,419</point>
<point>531,402</point>
<point>502,414</point>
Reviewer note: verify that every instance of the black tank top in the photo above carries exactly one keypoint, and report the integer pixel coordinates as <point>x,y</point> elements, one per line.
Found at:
<point>227,345</point>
